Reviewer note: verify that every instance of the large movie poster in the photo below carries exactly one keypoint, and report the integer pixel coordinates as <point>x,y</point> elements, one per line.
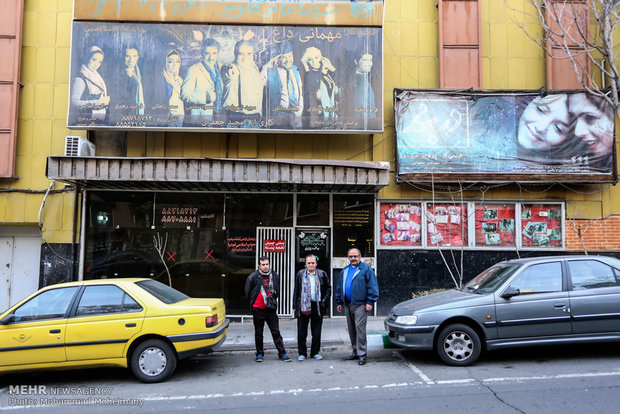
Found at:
<point>505,135</point>
<point>167,76</point>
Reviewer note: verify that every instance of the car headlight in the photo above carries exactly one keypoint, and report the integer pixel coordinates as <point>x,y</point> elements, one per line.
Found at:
<point>407,319</point>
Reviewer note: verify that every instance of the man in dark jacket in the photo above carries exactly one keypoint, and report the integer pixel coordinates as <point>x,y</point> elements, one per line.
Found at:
<point>357,291</point>
<point>262,287</point>
<point>310,298</point>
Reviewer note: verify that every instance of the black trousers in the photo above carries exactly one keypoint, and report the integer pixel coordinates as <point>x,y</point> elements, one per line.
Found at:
<point>316,323</point>
<point>260,316</point>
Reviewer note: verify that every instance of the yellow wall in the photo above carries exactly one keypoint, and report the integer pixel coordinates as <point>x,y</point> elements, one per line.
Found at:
<point>509,61</point>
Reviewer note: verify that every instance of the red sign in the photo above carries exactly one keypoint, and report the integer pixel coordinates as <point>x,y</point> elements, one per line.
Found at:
<point>275,246</point>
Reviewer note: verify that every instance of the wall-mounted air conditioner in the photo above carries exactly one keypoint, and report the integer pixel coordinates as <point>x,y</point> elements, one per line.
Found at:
<point>79,147</point>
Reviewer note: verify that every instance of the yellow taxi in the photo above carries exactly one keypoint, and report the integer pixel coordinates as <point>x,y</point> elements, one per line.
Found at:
<point>137,323</point>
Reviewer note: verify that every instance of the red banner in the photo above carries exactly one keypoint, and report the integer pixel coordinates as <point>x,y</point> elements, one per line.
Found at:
<point>274,246</point>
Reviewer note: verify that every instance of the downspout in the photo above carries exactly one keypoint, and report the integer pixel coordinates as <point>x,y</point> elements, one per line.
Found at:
<point>74,244</point>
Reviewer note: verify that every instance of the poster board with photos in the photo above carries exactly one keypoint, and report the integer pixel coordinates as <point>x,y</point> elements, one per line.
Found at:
<point>541,225</point>
<point>446,224</point>
<point>495,225</point>
<point>400,224</point>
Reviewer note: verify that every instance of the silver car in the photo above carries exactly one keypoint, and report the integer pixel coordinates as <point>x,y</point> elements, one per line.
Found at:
<point>535,301</point>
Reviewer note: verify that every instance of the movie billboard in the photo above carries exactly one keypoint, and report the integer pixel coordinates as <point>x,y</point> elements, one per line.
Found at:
<point>210,77</point>
<point>504,136</point>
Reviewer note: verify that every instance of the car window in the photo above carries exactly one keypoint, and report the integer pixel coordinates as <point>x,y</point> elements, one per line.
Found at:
<point>105,299</point>
<point>51,304</point>
<point>492,278</point>
<point>591,274</point>
<point>162,292</point>
<point>538,278</point>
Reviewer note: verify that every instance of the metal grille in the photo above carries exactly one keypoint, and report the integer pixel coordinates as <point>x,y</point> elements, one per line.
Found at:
<point>281,262</point>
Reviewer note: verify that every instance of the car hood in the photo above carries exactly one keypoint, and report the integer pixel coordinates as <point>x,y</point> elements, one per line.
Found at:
<point>442,300</point>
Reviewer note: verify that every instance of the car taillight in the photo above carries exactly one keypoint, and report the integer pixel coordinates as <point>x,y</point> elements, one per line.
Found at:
<point>211,321</point>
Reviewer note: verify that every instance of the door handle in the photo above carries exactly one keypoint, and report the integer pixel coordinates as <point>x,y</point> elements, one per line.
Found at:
<point>130,325</point>
<point>559,305</point>
<point>54,331</point>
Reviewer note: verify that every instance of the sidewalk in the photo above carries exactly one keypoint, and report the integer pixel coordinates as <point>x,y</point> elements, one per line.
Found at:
<point>240,335</point>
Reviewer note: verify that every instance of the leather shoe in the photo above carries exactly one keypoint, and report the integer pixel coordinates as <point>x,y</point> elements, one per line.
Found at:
<point>351,357</point>
<point>362,361</point>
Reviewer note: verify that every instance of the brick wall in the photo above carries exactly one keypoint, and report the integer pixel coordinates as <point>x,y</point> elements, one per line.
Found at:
<point>600,235</point>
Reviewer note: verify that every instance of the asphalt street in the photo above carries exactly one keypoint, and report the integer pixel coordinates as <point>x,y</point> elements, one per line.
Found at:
<point>572,379</point>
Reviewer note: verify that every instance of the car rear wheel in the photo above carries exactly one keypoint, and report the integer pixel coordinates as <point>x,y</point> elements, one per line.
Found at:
<point>458,344</point>
<point>153,361</point>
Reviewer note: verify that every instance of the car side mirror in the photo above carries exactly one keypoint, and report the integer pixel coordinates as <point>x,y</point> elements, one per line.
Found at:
<point>7,319</point>
<point>510,292</point>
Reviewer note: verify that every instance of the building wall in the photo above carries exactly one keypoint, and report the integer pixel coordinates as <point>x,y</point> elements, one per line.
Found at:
<point>509,61</point>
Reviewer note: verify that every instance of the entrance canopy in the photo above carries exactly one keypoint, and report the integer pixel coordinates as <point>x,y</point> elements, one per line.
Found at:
<point>219,174</point>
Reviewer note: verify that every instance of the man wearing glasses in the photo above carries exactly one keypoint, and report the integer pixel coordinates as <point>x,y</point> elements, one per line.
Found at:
<point>357,291</point>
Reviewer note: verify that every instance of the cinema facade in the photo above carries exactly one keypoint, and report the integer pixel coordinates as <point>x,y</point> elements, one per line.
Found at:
<point>431,182</point>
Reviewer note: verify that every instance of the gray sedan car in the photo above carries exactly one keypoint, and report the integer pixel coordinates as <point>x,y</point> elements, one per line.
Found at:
<point>535,301</point>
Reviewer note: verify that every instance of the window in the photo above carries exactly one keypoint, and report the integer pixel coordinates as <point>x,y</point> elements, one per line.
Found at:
<point>51,304</point>
<point>446,224</point>
<point>105,299</point>
<point>495,225</point>
<point>162,292</point>
<point>590,274</point>
<point>539,278</point>
<point>541,225</point>
<point>400,224</point>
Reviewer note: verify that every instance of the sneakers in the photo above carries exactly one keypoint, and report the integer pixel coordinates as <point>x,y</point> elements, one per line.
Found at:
<point>301,358</point>
<point>259,358</point>
<point>318,357</point>
<point>285,358</point>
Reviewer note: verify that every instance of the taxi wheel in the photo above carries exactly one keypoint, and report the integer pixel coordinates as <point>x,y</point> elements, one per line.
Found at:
<point>458,345</point>
<point>153,361</point>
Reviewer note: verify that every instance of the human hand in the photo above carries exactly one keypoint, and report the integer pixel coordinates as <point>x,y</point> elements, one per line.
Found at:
<point>104,100</point>
<point>339,308</point>
<point>368,307</point>
<point>232,71</point>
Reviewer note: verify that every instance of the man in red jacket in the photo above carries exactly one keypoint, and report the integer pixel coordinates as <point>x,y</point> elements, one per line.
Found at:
<point>263,288</point>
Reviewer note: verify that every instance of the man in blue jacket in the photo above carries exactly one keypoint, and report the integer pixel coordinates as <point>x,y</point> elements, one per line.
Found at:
<point>357,291</point>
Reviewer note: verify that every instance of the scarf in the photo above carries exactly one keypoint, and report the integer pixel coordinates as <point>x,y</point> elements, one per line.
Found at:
<point>175,103</point>
<point>306,294</point>
<point>96,86</point>
<point>263,291</point>
<point>140,94</point>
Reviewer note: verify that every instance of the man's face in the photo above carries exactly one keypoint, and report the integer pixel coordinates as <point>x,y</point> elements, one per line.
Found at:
<point>245,57</point>
<point>311,263</point>
<point>131,58</point>
<point>354,256</point>
<point>314,59</point>
<point>365,63</point>
<point>263,265</point>
<point>286,60</point>
<point>209,55</point>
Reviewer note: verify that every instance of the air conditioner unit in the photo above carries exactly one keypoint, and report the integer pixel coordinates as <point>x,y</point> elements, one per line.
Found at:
<point>79,147</point>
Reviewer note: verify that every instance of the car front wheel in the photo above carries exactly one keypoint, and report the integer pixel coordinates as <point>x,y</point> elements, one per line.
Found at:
<point>153,361</point>
<point>459,345</point>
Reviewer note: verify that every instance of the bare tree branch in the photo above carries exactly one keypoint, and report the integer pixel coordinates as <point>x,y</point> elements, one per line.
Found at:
<point>571,33</point>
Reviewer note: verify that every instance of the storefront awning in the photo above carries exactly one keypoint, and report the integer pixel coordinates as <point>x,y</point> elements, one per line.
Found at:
<point>219,174</point>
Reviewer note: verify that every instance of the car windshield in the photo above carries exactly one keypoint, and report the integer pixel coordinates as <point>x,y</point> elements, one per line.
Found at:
<point>491,279</point>
<point>162,292</point>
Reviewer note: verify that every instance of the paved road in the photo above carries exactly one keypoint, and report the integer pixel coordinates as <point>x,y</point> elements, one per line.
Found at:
<point>571,380</point>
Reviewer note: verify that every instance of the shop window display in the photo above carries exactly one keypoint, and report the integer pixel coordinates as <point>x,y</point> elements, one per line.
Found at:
<point>495,225</point>
<point>400,224</point>
<point>446,224</point>
<point>541,225</point>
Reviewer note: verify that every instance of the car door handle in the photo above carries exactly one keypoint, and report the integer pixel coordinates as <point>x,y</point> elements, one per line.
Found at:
<point>559,305</point>
<point>54,331</point>
<point>130,325</point>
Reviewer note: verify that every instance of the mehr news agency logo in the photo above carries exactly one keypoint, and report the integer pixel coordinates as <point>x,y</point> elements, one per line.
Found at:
<point>43,395</point>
